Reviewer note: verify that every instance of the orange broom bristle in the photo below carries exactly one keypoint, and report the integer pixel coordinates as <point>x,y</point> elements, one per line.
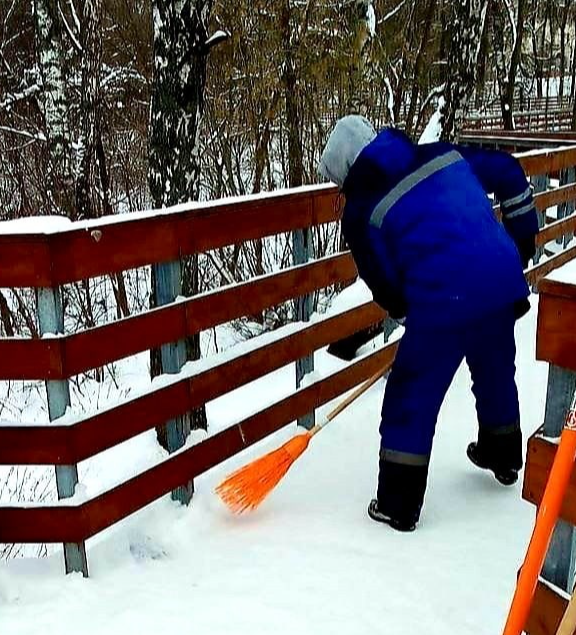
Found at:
<point>247,487</point>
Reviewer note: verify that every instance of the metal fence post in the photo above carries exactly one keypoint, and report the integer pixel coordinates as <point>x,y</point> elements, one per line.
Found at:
<point>540,183</point>
<point>51,320</point>
<point>168,286</point>
<point>559,564</point>
<point>302,249</point>
<point>567,176</point>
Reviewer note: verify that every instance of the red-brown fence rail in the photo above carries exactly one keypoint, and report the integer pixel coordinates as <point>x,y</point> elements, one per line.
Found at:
<point>113,245</point>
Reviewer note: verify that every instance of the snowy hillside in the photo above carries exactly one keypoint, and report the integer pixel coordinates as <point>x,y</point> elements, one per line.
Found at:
<point>309,561</point>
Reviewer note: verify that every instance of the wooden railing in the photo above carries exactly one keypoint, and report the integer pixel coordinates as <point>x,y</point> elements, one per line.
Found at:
<point>517,140</point>
<point>525,104</point>
<point>47,261</point>
<point>556,344</point>
<point>527,121</point>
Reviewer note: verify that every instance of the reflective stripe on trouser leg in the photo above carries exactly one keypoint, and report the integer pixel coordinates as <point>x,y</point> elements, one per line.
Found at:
<point>425,364</point>
<point>404,458</point>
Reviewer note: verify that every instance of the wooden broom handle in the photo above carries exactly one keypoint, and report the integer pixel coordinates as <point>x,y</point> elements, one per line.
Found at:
<point>568,624</point>
<point>361,389</point>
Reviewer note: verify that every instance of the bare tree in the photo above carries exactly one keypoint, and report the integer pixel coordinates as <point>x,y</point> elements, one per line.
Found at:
<point>93,183</point>
<point>55,102</point>
<point>419,63</point>
<point>181,47</point>
<point>362,26</point>
<point>466,23</point>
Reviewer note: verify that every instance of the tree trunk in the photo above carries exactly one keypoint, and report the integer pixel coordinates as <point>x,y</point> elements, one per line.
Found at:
<point>498,19</point>
<point>119,290</point>
<point>260,161</point>
<point>550,59</point>
<point>563,49</point>
<point>482,60</point>
<point>537,62</point>
<point>515,58</point>
<point>573,70</point>
<point>87,203</point>
<point>466,24</point>
<point>180,58</point>
<point>419,64</point>
<point>360,34</point>
<point>6,316</point>
<point>541,53</point>
<point>289,79</point>
<point>402,77</point>
<point>51,62</point>
<point>269,111</point>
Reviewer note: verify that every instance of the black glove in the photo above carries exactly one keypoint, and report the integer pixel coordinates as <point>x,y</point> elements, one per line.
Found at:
<point>393,304</point>
<point>521,307</point>
<point>526,248</point>
<point>347,347</point>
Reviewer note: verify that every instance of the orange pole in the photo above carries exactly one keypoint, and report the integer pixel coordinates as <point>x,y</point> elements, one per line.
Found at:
<point>545,521</point>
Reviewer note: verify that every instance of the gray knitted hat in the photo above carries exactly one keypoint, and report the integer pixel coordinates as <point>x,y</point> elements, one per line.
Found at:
<point>350,136</point>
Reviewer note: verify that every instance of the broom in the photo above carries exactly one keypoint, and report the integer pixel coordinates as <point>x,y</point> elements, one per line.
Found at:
<point>247,487</point>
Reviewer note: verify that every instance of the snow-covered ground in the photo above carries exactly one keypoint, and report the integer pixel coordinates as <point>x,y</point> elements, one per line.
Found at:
<point>309,561</point>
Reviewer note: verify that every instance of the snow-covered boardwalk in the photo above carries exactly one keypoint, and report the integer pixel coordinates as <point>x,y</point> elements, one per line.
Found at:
<point>310,560</point>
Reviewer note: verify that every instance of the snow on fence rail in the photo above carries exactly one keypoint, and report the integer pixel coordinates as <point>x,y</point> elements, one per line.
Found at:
<point>46,261</point>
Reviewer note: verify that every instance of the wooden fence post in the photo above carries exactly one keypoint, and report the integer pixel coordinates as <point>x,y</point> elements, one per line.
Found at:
<point>167,287</point>
<point>302,249</point>
<point>559,564</point>
<point>565,209</point>
<point>51,320</point>
<point>540,183</point>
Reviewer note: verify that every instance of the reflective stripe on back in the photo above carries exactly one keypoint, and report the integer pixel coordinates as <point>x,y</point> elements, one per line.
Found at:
<point>410,182</point>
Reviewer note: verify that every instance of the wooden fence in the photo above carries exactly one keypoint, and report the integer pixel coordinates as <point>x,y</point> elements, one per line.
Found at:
<point>556,344</point>
<point>525,104</point>
<point>45,262</point>
<point>553,119</point>
<point>517,140</point>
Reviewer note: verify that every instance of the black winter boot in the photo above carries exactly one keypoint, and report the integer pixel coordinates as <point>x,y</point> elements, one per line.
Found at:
<point>500,451</point>
<point>400,495</point>
<point>399,525</point>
